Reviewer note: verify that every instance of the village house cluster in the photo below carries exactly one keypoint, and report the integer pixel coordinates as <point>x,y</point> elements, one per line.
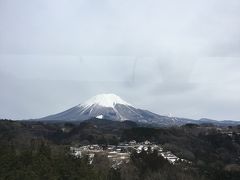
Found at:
<point>121,154</point>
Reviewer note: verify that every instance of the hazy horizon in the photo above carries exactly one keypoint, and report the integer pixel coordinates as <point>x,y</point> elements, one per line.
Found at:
<point>179,58</point>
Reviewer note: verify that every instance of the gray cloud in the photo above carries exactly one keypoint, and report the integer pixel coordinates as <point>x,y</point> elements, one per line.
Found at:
<point>165,56</point>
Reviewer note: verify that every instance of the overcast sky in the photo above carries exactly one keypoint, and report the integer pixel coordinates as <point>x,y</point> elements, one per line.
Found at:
<point>170,57</point>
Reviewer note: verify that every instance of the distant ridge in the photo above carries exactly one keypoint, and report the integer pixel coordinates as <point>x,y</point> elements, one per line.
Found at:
<point>112,107</point>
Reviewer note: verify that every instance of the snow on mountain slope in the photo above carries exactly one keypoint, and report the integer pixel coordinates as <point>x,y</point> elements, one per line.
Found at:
<point>105,100</point>
<point>99,116</point>
<point>112,107</point>
<point>104,105</point>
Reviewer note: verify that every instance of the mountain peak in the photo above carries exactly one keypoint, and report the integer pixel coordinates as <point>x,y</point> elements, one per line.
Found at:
<point>105,100</point>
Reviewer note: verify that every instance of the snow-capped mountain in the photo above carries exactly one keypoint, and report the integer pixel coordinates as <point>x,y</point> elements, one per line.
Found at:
<point>105,100</point>
<point>109,106</point>
<point>112,107</point>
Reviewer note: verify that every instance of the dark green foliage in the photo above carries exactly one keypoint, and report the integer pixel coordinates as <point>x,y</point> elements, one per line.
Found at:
<point>39,163</point>
<point>36,150</point>
<point>150,166</point>
<point>149,160</point>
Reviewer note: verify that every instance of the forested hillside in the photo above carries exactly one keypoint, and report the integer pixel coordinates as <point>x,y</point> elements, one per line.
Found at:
<point>36,150</point>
